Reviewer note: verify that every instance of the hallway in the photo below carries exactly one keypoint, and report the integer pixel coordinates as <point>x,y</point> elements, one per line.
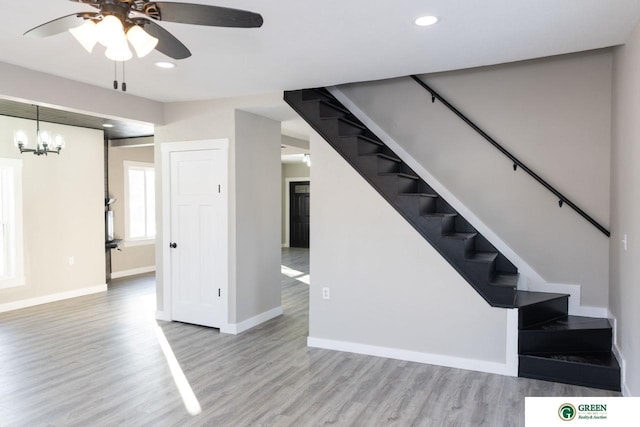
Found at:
<point>96,361</point>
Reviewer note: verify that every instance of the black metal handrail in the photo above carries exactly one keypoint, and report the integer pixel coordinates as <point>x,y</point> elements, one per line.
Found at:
<point>516,162</point>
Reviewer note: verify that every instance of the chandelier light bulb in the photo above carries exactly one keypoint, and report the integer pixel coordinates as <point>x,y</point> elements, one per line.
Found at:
<point>58,142</point>
<point>44,138</point>
<point>86,34</point>
<point>142,42</point>
<point>20,138</point>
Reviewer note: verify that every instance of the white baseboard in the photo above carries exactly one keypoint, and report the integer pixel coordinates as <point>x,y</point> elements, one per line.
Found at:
<point>133,272</point>
<point>412,356</point>
<point>17,305</point>
<point>237,328</point>
<point>163,315</point>
<point>621,360</point>
<point>285,245</point>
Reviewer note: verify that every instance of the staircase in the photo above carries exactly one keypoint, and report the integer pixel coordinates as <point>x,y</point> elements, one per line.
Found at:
<point>553,346</point>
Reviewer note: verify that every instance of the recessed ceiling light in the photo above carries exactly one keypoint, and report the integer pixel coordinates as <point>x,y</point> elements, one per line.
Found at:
<point>425,21</point>
<point>107,125</point>
<point>165,65</point>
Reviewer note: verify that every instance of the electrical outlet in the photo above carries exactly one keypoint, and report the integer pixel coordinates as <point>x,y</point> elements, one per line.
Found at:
<point>326,294</point>
<point>72,260</point>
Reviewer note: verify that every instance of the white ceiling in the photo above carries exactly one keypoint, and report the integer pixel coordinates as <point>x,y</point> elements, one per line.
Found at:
<point>307,43</point>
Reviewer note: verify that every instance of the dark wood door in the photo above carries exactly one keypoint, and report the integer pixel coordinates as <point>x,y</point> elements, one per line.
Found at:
<point>299,193</point>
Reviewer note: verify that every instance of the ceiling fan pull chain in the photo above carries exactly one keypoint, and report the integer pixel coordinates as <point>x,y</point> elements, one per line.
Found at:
<point>115,75</point>
<point>124,83</point>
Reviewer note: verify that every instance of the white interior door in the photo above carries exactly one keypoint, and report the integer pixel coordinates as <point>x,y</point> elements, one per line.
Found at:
<point>198,240</point>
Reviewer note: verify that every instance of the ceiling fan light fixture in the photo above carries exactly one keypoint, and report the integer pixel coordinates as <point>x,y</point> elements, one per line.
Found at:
<point>119,52</point>
<point>86,34</point>
<point>110,31</point>
<point>142,42</point>
<point>165,65</point>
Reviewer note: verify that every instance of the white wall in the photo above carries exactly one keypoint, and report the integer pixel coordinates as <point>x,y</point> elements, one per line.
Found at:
<point>389,287</point>
<point>554,114</point>
<point>63,211</point>
<point>215,119</point>
<point>624,293</point>
<point>128,258</point>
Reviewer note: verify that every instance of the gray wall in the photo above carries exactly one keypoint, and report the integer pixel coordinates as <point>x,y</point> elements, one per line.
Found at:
<point>258,214</point>
<point>129,257</point>
<point>63,211</point>
<point>389,287</point>
<point>624,293</point>
<point>554,114</point>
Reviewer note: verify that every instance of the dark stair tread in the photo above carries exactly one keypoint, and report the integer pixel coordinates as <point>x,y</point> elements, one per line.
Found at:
<point>364,137</point>
<point>482,256</point>
<point>506,280</point>
<point>571,323</point>
<point>604,359</point>
<point>400,174</point>
<point>419,195</point>
<point>528,298</point>
<point>384,156</point>
<point>347,121</point>
<point>333,105</point>
<point>460,236</point>
<point>439,215</point>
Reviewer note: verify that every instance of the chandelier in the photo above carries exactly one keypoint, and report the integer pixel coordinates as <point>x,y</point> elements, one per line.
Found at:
<point>46,142</point>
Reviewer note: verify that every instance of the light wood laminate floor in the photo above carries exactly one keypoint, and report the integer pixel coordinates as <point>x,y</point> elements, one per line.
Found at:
<point>96,361</point>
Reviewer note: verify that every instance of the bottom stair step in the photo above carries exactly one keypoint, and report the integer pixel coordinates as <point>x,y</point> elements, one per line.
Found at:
<point>597,370</point>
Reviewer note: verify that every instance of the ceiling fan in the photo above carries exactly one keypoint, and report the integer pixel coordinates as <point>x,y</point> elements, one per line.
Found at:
<point>119,22</point>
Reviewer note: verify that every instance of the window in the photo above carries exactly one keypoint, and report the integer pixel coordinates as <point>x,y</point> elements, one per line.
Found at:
<point>140,204</point>
<point>11,261</point>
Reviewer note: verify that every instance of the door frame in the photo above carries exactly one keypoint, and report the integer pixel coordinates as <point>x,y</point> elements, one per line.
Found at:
<point>166,149</point>
<point>287,207</point>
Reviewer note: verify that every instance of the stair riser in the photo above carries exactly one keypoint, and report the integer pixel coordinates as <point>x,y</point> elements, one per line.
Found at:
<point>564,342</point>
<point>569,373</point>
<point>542,312</point>
<point>314,95</point>
<point>373,165</point>
<point>458,248</point>
<point>393,185</point>
<point>482,271</point>
<point>326,111</point>
<point>416,205</point>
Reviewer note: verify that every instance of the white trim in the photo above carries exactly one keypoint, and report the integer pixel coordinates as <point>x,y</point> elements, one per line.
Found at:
<point>166,149</point>
<point>412,356</point>
<point>132,272</point>
<point>237,328</point>
<point>624,387</point>
<point>527,274</point>
<point>287,207</point>
<point>511,357</point>
<point>17,305</point>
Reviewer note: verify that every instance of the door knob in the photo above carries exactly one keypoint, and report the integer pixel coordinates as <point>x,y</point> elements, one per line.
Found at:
<point>173,245</point>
